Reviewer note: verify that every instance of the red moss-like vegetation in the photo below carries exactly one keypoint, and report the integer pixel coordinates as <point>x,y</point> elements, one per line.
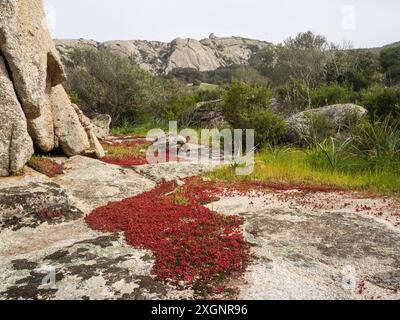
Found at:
<point>191,243</point>
<point>49,214</point>
<point>46,166</point>
<point>126,153</point>
<point>133,153</point>
<point>126,161</point>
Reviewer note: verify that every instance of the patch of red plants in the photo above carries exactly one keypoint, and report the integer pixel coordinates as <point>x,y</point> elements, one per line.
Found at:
<point>362,287</point>
<point>138,160</point>
<point>123,136</point>
<point>191,243</point>
<point>49,214</point>
<point>46,166</point>
<point>125,161</point>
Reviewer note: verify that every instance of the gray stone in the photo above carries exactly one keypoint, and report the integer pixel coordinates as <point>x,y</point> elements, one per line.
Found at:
<point>35,68</point>
<point>67,127</point>
<point>313,246</point>
<point>341,116</point>
<point>209,114</point>
<point>101,125</point>
<point>16,146</point>
<point>162,58</point>
<point>27,47</point>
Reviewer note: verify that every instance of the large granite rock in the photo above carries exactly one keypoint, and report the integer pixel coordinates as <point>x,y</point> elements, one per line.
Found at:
<point>30,53</point>
<point>34,67</point>
<point>163,58</point>
<point>69,131</point>
<point>101,125</point>
<point>340,117</point>
<point>15,143</point>
<point>208,114</point>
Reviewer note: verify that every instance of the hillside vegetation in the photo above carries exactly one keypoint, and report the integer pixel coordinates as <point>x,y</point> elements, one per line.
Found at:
<point>303,73</point>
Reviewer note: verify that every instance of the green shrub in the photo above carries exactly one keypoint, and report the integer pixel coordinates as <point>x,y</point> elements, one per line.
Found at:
<point>269,127</point>
<point>180,108</point>
<point>318,127</point>
<point>378,144</point>
<point>105,82</point>
<point>390,63</point>
<point>294,96</point>
<point>247,107</point>
<point>241,100</point>
<point>381,101</point>
<point>330,94</point>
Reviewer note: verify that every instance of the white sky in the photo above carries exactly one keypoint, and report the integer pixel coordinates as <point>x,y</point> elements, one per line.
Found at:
<point>366,23</point>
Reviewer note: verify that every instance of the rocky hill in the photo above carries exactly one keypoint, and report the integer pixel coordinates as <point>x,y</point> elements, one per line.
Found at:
<point>162,58</point>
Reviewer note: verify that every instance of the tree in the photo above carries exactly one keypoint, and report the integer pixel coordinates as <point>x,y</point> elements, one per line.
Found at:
<point>381,101</point>
<point>390,62</point>
<point>105,82</point>
<point>358,69</point>
<point>247,107</point>
<point>302,58</point>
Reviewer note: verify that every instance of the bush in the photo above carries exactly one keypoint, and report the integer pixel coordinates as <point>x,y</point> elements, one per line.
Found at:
<point>180,108</point>
<point>381,101</point>
<point>247,107</point>
<point>105,82</point>
<point>241,100</point>
<point>390,62</point>
<point>378,144</point>
<point>330,94</point>
<point>357,69</point>
<point>269,127</point>
<point>294,96</point>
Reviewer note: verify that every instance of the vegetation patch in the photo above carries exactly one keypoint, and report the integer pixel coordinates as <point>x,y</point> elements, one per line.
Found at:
<point>313,168</point>
<point>193,245</point>
<point>126,153</point>
<point>46,166</point>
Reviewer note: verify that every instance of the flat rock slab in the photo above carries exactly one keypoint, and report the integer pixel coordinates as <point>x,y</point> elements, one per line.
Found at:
<point>93,183</point>
<point>305,245</point>
<point>166,172</point>
<point>63,252</point>
<point>33,200</point>
<point>98,267</point>
<point>310,253</point>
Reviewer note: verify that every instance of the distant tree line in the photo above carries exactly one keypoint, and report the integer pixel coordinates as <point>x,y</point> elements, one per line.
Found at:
<point>303,72</point>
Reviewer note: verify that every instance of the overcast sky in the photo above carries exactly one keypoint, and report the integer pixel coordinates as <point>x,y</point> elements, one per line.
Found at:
<point>366,23</point>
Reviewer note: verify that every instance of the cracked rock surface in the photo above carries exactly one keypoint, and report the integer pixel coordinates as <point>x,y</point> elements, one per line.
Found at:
<point>304,245</point>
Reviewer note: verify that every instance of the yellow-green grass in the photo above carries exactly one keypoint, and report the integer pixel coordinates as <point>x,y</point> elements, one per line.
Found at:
<point>208,86</point>
<point>291,167</point>
<point>124,150</point>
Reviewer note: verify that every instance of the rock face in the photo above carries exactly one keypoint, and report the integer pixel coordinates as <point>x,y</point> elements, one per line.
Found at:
<point>340,116</point>
<point>101,123</point>
<point>34,71</point>
<point>208,114</point>
<point>15,143</point>
<point>163,58</point>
